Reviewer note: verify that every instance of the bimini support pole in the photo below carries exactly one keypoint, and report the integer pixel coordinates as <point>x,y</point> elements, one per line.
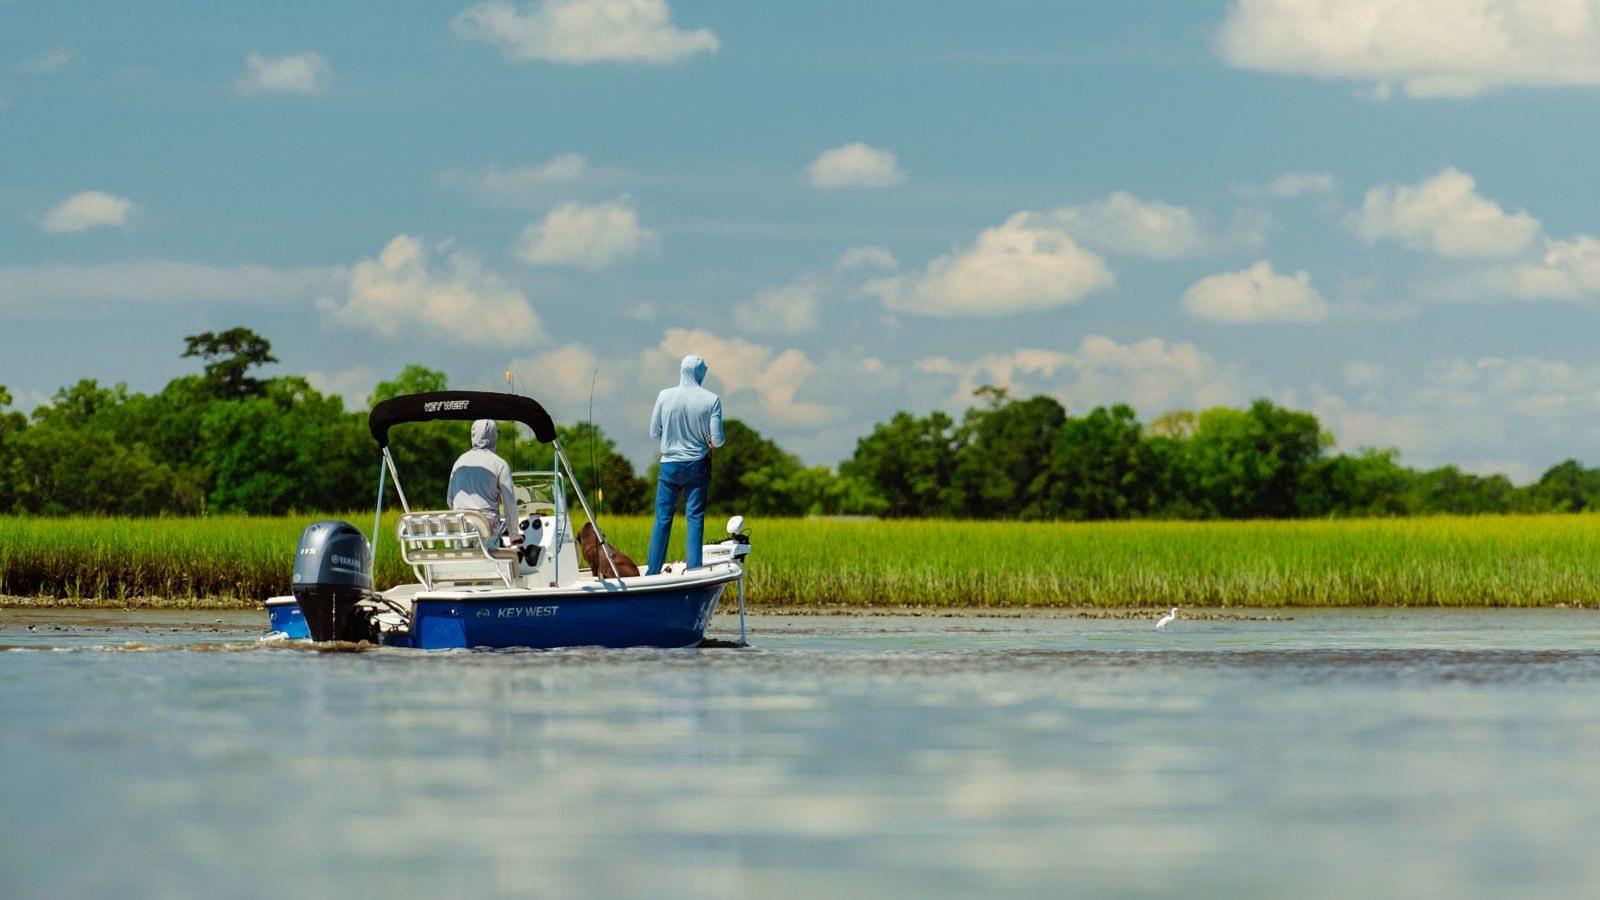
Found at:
<point>377,517</point>
<point>605,549</point>
<point>389,461</point>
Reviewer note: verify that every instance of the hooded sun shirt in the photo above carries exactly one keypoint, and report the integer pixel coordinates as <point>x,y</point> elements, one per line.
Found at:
<point>688,418</point>
<point>481,480</point>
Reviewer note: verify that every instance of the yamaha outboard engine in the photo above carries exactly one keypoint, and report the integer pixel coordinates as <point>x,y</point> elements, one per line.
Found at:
<point>333,573</point>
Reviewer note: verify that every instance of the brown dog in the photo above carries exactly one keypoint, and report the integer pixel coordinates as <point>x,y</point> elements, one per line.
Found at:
<point>589,540</point>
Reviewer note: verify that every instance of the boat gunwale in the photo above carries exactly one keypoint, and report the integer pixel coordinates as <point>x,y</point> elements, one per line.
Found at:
<point>597,589</point>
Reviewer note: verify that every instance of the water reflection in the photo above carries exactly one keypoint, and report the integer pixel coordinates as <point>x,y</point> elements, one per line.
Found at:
<point>1323,754</point>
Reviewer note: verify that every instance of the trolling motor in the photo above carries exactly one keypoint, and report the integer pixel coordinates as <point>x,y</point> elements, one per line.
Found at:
<point>332,575</point>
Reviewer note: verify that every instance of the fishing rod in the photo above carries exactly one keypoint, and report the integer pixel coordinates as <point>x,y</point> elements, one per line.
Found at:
<point>513,424</point>
<point>522,387</point>
<point>599,485</point>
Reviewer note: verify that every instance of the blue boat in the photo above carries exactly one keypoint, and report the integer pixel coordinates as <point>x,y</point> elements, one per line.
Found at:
<point>673,614</point>
<point>470,590</point>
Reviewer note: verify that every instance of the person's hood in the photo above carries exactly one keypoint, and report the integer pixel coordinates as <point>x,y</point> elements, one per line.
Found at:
<point>692,370</point>
<point>485,433</point>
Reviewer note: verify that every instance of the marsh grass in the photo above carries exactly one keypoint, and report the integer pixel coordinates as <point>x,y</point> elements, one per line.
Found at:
<point>1444,561</point>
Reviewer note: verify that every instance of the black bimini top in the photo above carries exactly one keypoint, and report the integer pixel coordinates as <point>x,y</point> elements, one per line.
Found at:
<point>460,405</point>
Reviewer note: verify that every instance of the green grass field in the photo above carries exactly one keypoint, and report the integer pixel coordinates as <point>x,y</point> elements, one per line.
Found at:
<point>1485,561</point>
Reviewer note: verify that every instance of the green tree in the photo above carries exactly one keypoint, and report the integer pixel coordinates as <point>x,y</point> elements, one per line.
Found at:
<point>229,356</point>
<point>12,424</point>
<point>413,379</point>
<point>1003,463</point>
<point>63,470</point>
<point>290,449</point>
<point>424,452</point>
<point>750,474</point>
<point>1369,483</point>
<point>81,404</point>
<point>596,462</point>
<point>1252,463</point>
<point>1566,487</point>
<point>169,421</point>
<point>590,450</point>
<point>1102,467</point>
<point>1447,489</point>
<point>904,465</point>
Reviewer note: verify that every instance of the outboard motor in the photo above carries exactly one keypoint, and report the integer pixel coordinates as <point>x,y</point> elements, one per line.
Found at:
<point>333,573</point>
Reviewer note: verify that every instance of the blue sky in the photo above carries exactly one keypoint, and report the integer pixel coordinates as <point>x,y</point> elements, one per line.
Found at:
<point>1374,209</point>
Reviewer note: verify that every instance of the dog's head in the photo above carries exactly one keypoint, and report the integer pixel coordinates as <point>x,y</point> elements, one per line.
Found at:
<point>589,539</point>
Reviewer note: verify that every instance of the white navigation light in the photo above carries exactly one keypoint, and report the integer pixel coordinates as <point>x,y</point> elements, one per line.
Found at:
<point>736,524</point>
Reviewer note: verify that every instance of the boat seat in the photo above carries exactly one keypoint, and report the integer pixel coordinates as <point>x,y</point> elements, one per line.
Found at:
<point>455,545</point>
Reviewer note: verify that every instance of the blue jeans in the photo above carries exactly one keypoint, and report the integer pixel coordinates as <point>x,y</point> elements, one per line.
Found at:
<point>688,479</point>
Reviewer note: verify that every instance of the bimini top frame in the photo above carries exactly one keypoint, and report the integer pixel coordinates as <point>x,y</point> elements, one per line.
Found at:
<point>460,405</point>
<point>467,406</point>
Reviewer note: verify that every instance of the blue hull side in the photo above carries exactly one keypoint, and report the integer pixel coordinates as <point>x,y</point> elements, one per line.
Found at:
<point>674,617</point>
<point>287,619</point>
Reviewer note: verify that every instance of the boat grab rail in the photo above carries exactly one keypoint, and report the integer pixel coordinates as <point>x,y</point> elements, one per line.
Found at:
<point>450,538</point>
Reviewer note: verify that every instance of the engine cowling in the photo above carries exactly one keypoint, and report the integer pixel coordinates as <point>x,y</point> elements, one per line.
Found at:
<point>332,574</point>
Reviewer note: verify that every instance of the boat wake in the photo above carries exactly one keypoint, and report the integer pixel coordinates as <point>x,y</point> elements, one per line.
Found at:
<point>197,647</point>
<point>271,643</point>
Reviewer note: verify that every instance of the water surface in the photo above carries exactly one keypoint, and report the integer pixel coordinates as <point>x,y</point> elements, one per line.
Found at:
<point>1327,753</point>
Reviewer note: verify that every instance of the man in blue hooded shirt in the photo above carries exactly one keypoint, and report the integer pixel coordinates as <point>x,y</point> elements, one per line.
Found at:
<point>688,422</point>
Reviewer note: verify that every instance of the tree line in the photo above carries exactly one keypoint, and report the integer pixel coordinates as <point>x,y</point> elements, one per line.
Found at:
<point>222,440</point>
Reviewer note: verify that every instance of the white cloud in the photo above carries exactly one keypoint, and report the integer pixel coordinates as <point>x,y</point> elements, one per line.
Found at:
<point>867,256</point>
<point>561,177</point>
<point>1357,424</point>
<point>757,376</point>
<point>1364,375</point>
<point>789,309</point>
<point>1123,224</point>
<point>562,377</point>
<point>584,31</point>
<point>1151,375</point>
<point>1526,386</point>
<point>1505,414</point>
<point>1444,215</point>
<point>1519,472</point>
<point>563,169</point>
<point>855,165</point>
<point>301,73</point>
<point>1290,185</point>
<point>403,289</point>
<point>1433,48</point>
<point>1256,294</point>
<point>1018,266</point>
<point>54,288</point>
<point>592,237</point>
<point>26,400</point>
<point>767,386</point>
<point>353,386</point>
<point>89,209</point>
<point>49,62</point>
<point>1567,270</point>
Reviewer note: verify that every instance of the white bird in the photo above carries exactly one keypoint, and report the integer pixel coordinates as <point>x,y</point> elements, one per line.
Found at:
<point>1167,619</point>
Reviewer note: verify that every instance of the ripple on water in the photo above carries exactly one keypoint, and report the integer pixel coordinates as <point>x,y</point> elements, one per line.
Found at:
<point>921,756</point>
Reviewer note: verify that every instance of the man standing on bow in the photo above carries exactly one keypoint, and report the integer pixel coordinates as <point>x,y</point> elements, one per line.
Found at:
<point>687,422</point>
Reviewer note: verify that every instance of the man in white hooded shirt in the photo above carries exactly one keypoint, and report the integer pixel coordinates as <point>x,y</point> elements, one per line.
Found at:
<point>481,480</point>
